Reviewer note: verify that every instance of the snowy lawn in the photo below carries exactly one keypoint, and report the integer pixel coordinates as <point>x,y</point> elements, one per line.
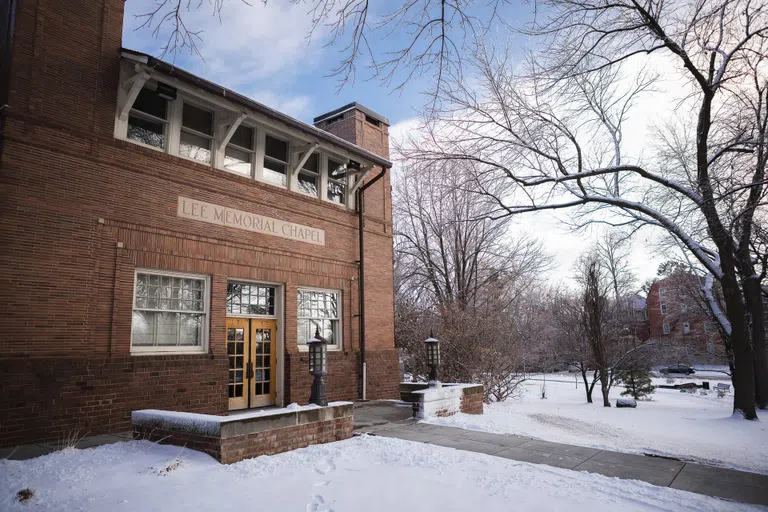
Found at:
<point>692,427</point>
<point>361,474</point>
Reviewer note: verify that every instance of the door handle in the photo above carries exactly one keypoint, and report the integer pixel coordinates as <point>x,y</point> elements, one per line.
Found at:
<point>249,370</point>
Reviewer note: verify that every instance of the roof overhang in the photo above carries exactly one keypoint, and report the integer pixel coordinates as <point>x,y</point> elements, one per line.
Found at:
<point>312,133</point>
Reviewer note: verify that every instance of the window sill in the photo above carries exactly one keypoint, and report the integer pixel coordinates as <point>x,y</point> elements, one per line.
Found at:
<point>247,176</point>
<point>331,348</point>
<point>167,351</point>
<point>146,146</point>
<point>305,194</point>
<point>195,160</point>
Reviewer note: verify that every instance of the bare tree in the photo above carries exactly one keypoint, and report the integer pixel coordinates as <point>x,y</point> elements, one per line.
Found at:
<point>594,308</point>
<point>748,223</point>
<point>447,246</point>
<point>570,342</point>
<point>434,34</point>
<point>463,276</point>
<point>533,131</point>
<point>613,250</point>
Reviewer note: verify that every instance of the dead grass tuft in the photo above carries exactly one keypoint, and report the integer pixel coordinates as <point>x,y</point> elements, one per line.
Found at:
<point>25,495</point>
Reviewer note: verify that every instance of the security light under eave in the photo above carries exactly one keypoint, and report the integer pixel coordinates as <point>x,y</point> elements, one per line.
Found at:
<point>348,169</point>
<point>166,91</point>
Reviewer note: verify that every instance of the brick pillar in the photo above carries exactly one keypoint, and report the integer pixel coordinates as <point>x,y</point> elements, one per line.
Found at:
<point>369,130</point>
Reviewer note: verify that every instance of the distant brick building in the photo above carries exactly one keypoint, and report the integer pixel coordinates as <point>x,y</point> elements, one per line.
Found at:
<point>641,327</point>
<point>676,317</point>
<point>168,243</point>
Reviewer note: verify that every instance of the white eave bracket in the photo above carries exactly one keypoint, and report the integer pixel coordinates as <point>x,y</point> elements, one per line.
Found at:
<point>307,152</point>
<point>230,130</point>
<point>136,82</point>
<point>364,170</point>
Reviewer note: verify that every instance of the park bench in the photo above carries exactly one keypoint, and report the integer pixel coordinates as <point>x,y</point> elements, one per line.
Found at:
<point>722,389</point>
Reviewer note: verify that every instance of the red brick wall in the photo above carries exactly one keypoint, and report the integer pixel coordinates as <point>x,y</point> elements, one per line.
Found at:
<point>381,358</point>
<point>472,401</point>
<point>66,278</point>
<point>679,310</point>
<point>49,399</point>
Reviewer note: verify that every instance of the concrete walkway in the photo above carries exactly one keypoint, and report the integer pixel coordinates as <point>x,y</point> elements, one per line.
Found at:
<point>710,481</point>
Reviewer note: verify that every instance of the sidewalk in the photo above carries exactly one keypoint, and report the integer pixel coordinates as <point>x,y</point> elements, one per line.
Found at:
<point>710,481</point>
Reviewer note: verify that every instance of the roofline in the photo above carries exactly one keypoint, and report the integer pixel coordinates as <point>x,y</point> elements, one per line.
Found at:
<point>354,105</point>
<point>228,94</point>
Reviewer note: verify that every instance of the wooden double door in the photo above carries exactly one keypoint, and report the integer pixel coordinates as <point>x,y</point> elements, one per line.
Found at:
<point>252,348</point>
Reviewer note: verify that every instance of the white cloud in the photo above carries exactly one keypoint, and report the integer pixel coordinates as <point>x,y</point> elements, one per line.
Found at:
<point>294,106</point>
<point>401,130</point>
<point>256,50</point>
<point>251,47</point>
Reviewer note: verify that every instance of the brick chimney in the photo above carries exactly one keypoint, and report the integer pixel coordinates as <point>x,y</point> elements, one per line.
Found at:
<point>358,125</point>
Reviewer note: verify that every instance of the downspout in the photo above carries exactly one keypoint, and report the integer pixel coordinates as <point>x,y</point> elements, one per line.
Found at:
<point>361,274</point>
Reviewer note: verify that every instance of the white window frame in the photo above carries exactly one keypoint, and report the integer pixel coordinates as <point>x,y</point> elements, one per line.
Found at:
<point>663,308</point>
<point>686,328</point>
<point>662,292</point>
<point>328,179</point>
<point>665,328</point>
<point>166,125</point>
<point>253,152</point>
<point>339,341</point>
<point>318,175</point>
<point>154,350</point>
<point>264,157</point>
<point>180,101</point>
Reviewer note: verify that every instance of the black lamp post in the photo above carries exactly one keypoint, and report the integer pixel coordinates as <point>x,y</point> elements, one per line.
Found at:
<point>318,368</point>
<point>433,359</point>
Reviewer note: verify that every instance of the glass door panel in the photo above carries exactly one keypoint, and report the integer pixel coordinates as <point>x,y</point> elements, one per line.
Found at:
<point>262,385</point>
<point>238,351</point>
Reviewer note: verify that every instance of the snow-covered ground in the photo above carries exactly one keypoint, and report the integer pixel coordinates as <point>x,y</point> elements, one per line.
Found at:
<point>692,427</point>
<point>371,474</point>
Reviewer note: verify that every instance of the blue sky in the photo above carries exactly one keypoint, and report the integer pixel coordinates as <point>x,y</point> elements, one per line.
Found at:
<point>263,52</point>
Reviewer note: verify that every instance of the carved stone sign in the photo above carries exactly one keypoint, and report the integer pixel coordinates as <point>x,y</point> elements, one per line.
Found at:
<point>223,216</point>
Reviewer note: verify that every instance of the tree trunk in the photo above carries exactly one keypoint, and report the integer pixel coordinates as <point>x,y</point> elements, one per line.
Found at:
<point>604,388</point>
<point>592,386</point>
<point>754,301</point>
<point>586,386</point>
<point>743,362</point>
<point>743,359</point>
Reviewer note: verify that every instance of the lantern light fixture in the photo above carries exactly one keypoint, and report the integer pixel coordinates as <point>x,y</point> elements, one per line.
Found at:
<point>318,367</point>
<point>433,359</point>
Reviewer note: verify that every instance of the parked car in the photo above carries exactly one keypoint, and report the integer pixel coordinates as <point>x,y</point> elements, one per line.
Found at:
<point>678,368</point>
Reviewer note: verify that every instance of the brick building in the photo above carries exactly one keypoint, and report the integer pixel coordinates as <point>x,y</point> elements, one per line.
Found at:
<point>168,243</point>
<point>676,317</point>
<point>640,326</point>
